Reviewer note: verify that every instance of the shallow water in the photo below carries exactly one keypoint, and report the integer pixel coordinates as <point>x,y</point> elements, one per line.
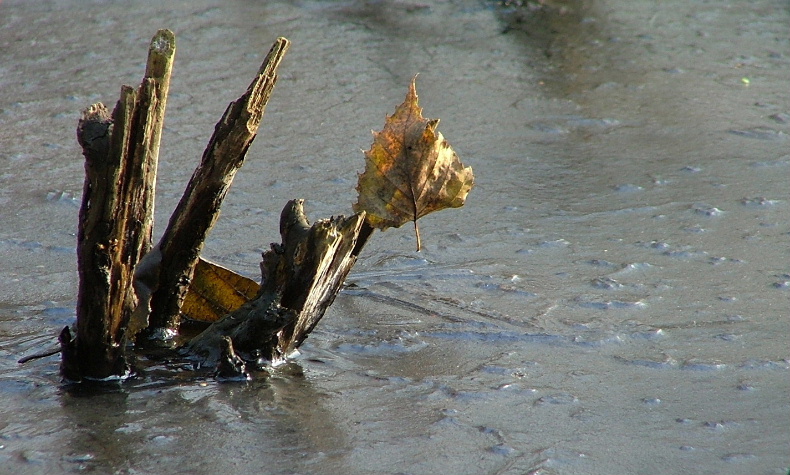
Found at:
<point>613,298</point>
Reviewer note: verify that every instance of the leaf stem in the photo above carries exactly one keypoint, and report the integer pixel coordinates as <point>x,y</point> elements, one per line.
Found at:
<point>417,233</point>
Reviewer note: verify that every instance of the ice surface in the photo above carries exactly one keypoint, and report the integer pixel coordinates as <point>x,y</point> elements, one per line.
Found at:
<point>626,174</point>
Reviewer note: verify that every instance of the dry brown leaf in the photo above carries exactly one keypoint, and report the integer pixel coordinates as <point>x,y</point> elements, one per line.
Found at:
<point>410,170</point>
<point>215,292</point>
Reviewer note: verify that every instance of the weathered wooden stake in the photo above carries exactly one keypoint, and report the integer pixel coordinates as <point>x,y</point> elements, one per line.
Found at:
<point>165,274</point>
<point>121,153</point>
<point>300,279</point>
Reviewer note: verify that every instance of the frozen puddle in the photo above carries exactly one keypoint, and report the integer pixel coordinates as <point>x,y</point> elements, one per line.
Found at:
<point>611,299</point>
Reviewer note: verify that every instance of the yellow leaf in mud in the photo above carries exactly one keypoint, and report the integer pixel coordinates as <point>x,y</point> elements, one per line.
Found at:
<point>410,170</point>
<point>215,292</point>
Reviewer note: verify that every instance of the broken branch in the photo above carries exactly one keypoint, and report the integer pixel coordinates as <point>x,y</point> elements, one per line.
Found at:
<point>197,212</point>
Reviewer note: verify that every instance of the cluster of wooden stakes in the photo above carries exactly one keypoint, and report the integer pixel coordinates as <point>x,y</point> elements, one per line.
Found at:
<point>132,291</point>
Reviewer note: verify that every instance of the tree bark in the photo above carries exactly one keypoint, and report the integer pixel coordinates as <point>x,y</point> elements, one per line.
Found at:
<point>165,274</point>
<point>121,154</point>
<point>300,279</point>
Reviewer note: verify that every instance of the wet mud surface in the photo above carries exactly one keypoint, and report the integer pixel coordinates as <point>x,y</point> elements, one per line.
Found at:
<point>613,298</point>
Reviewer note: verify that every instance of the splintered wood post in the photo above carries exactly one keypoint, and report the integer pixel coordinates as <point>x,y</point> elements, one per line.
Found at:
<point>121,153</point>
<point>164,275</point>
<point>300,279</point>
<point>308,269</point>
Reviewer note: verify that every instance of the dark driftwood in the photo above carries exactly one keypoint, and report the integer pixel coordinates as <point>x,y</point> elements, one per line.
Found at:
<point>126,285</point>
<point>300,279</point>
<point>121,153</point>
<point>163,278</point>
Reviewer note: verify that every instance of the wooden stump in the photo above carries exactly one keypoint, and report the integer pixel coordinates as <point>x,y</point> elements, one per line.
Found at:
<point>300,278</point>
<point>129,286</point>
<point>163,278</point>
<point>121,153</point>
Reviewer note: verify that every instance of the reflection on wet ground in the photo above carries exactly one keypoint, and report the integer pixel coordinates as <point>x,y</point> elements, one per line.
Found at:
<point>612,298</point>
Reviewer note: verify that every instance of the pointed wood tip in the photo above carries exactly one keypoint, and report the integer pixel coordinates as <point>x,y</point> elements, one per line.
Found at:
<point>274,56</point>
<point>164,42</point>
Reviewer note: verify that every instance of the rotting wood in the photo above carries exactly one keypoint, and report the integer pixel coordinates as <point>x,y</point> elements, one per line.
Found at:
<point>300,278</point>
<point>123,280</point>
<point>164,276</point>
<point>116,216</point>
<point>230,366</point>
